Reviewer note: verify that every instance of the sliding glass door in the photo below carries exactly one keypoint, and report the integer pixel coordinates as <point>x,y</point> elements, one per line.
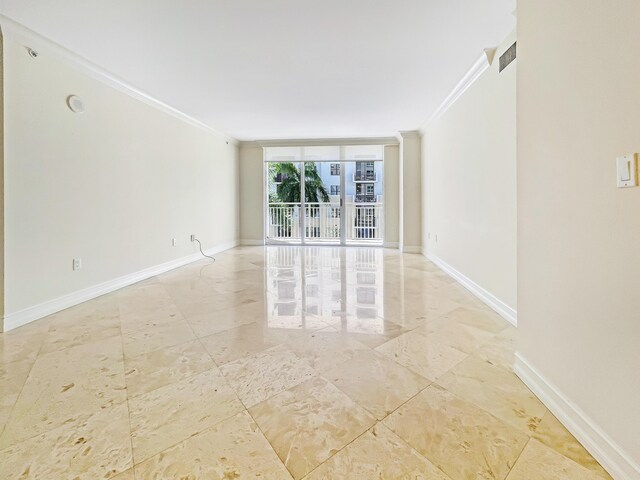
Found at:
<point>364,212</point>
<point>323,203</point>
<point>324,195</point>
<point>283,202</point>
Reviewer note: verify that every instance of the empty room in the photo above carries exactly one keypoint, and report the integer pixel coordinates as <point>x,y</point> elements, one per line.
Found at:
<point>320,239</point>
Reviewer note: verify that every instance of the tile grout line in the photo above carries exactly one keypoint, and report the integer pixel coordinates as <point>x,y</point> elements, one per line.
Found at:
<point>269,443</point>
<point>126,389</point>
<point>217,366</point>
<point>173,445</point>
<point>506,477</point>
<point>377,421</point>
<point>341,449</point>
<point>4,427</point>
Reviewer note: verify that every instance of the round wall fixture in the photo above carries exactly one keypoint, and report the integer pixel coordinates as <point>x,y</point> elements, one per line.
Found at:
<point>32,53</point>
<point>75,104</point>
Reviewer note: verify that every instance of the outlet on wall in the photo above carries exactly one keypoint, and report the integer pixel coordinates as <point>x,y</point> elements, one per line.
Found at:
<point>77,264</point>
<point>174,242</point>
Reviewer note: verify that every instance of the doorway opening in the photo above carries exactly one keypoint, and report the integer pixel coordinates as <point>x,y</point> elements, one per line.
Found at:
<point>326,195</point>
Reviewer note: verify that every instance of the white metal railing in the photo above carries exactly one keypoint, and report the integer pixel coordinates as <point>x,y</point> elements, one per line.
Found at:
<point>322,221</point>
<point>364,176</point>
<point>284,221</point>
<point>364,222</point>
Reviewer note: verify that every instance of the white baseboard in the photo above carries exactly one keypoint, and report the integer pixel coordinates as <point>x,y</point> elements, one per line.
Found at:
<point>613,458</point>
<point>411,249</point>
<point>249,242</point>
<point>504,310</point>
<point>30,314</point>
<point>391,245</point>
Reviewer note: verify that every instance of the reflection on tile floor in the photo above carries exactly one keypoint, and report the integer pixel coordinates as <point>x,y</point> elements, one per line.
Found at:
<point>278,362</point>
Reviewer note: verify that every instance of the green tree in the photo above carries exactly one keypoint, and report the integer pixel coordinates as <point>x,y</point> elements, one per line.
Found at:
<point>288,190</point>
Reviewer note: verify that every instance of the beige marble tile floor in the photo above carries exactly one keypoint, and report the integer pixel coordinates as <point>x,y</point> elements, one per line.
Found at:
<point>279,363</point>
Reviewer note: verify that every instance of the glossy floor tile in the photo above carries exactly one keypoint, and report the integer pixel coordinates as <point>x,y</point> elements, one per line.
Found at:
<point>495,390</point>
<point>378,453</point>
<point>375,382</point>
<point>170,414</point>
<point>165,366</point>
<point>260,376</point>
<point>553,434</point>
<point>543,463</point>
<point>89,447</point>
<point>12,378</point>
<point>234,448</point>
<point>309,423</point>
<point>461,439</point>
<point>64,386</point>
<point>423,355</point>
<point>279,363</point>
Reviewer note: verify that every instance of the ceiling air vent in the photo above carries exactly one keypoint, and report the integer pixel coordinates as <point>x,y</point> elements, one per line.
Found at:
<point>507,57</point>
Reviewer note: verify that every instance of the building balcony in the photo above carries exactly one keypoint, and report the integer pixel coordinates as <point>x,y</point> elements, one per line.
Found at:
<point>363,198</point>
<point>360,177</point>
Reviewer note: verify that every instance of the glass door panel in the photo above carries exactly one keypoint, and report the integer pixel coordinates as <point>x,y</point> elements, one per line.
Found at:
<point>364,201</point>
<point>322,192</point>
<point>283,222</point>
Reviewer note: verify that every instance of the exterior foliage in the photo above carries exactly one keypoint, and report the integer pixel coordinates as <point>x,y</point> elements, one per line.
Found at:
<point>288,188</point>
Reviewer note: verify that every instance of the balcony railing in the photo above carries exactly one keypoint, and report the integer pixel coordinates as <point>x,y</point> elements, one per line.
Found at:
<point>284,221</point>
<point>364,176</point>
<point>363,222</point>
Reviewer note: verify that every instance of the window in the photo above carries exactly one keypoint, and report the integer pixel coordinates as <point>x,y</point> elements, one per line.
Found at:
<point>335,189</point>
<point>366,295</point>
<point>365,171</point>
<point>369,189</point>
<point>335,169</point>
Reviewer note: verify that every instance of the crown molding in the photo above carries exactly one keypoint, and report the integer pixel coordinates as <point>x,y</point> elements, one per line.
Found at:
<point>469,78</point>
<point>249,144</point>
<point>19,33</point>
<point>320,142</point>
<point>410,134</point>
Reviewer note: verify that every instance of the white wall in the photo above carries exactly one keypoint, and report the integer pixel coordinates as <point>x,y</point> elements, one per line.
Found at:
<point>251,195</point>
<point>112,185</point>
<point>469,183</point>
<point>578,235</point>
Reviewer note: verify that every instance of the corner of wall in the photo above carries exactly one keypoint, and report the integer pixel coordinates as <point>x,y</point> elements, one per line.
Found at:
<point>410,191</point>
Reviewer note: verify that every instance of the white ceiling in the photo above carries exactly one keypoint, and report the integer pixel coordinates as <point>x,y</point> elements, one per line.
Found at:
<point>259,69</point>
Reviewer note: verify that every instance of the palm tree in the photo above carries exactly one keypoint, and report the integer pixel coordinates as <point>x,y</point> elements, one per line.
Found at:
<point>288,190</point>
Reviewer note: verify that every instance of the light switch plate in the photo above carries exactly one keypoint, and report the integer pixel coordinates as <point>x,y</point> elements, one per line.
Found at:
<point>627,170</point>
